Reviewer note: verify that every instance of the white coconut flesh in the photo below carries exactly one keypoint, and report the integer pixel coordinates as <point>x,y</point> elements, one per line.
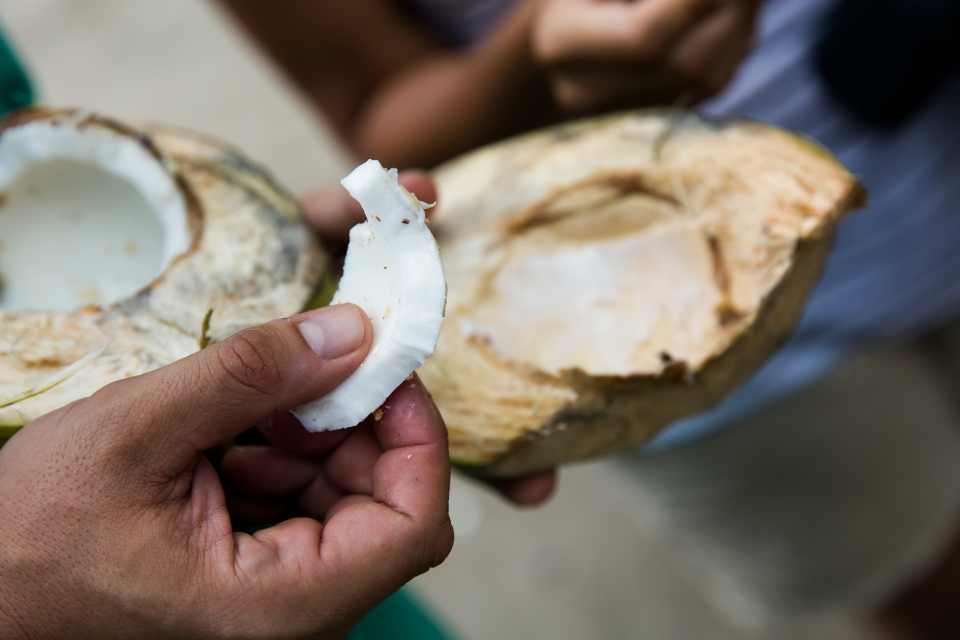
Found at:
<point>116,244</point>
<point>88,217</point>
<point>615,293</point>
<point>393,272</point>
<point>610,276</point>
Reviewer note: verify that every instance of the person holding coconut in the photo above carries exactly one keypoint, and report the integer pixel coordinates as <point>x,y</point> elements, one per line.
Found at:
<point>122,512</point>
<point>99,515</point>
<point>123,516</point>
<point>115,523</point>
<point>492,68</point>
<point>819,459</point>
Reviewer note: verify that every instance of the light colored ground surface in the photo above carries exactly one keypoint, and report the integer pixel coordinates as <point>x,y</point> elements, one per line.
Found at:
<point>586,566</point>
<point>175,61</point>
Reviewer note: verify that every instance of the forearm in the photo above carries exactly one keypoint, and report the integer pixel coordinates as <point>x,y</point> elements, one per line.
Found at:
<point>390,88</point>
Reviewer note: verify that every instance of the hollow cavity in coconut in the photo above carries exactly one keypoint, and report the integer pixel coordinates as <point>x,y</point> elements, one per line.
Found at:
<point>117,243</point>
<point>56,256</point>
<point>393,272</point>
<point>610,276</point>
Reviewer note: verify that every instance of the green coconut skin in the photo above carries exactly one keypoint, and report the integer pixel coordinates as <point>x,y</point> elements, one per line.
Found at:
<point>326,289</point>
<point>7,432</point>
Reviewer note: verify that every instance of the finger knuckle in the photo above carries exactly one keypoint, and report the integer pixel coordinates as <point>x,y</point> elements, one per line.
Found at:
<point>116,410</point>
<point>250,362</point>
<point>431,546</point>
<point>443,545</point>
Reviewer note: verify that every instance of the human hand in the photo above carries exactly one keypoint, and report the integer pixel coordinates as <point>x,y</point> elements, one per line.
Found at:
<point>332,212</point>
<point>114,524</point>
<point>602,54</point>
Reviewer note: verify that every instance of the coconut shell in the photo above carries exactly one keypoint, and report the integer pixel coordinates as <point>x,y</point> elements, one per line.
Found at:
<point>253,258</point>
<point>728,222</point>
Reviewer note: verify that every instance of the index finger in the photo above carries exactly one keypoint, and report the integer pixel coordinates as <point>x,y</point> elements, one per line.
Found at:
<point>403,529</point>
<point>413,474</point>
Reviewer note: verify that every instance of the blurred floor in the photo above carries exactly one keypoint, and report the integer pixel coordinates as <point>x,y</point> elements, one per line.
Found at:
<point>175,61</point>
<point>588,565</point>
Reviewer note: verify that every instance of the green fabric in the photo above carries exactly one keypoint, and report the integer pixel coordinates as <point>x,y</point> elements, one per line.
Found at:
<point>398,617</point>
<point>15,92</point>
<point>15,89</point>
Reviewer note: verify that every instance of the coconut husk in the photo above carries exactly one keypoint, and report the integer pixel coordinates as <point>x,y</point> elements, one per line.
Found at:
<point>611,276</point>
<point>251,258</point>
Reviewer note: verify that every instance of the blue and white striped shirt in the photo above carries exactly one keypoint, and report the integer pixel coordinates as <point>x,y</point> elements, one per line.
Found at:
<point>894,272</point>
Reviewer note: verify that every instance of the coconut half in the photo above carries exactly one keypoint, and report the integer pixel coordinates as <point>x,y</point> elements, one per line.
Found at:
<point>606,277</point>
<point>393,272</point>
<point>610,276</point>
<point>115,244</point>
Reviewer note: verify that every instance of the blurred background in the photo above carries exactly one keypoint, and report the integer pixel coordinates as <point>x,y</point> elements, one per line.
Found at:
<point>594,562</point>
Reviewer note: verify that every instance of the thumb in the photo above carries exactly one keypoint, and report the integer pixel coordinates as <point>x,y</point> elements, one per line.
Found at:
<point>216,394</point>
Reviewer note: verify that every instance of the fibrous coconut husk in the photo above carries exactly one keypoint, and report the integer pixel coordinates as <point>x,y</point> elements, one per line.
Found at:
<point>251,258</point>
<point>610,276</point>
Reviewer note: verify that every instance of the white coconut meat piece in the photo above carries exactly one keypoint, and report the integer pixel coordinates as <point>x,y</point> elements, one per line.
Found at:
<point>393,272</point>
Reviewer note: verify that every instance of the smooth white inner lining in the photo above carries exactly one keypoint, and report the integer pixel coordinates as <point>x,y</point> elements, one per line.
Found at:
<point>608,308</point>
<point>88,216</point>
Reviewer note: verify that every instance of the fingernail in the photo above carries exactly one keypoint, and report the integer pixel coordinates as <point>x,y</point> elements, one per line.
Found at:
<point>333,331</point>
